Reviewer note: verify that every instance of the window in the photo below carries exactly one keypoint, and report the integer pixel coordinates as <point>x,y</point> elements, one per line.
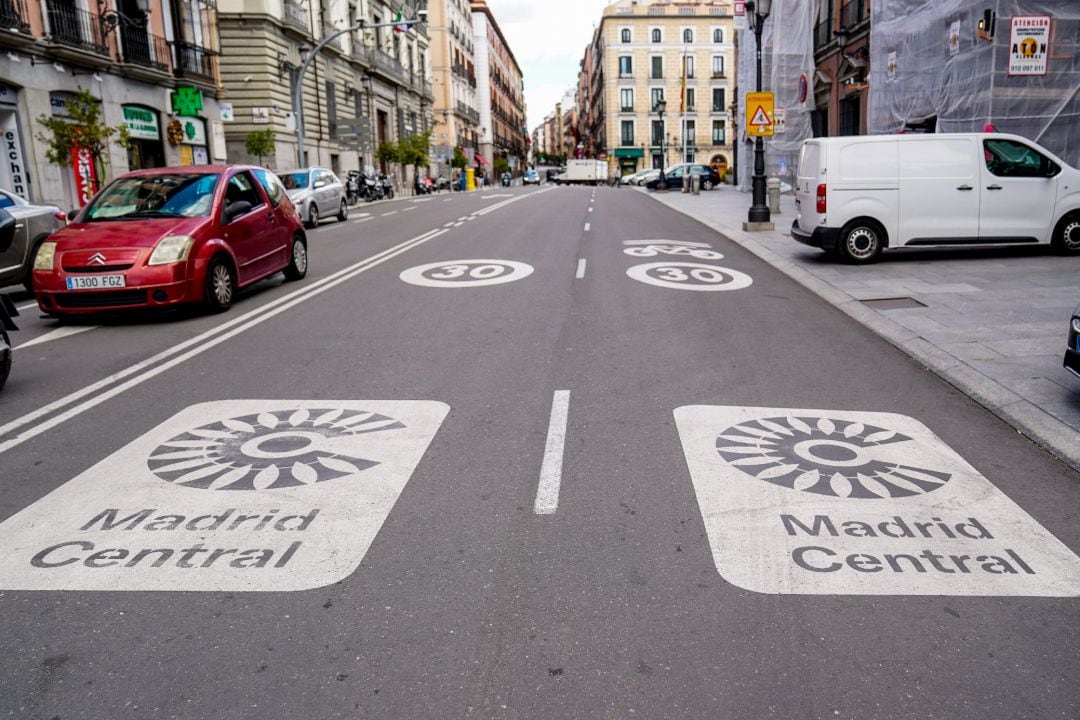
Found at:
<point>718,66</point>
<point>688,36</point>
<point>331,110</point>
<point>690,99</point>
<point>657,67</point>
<point>718,35</point>
<point>819,122</point>
<point>657,161</point>
<point>627,132</point>
<point>657,132</point>
<point>691,133</point>
<point>849,116</point>
<point>241,188</point>
<point>273,187</point>
<point>657,96</point>
<point>174,195</point>
<point>657,36</point>
<point>626,66</point>
<point>718,100</point>
<point>625,35</point>
<point>688,66</point>
<point>626,100</point>
<point>1008,158</point>
<point>719,132</point>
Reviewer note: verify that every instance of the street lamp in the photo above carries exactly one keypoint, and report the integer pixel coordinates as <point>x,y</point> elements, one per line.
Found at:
<point>661,106</point>
<point>757,11</point>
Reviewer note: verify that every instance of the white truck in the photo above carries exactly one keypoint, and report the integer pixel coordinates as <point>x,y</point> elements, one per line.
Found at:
<point>583,172</point>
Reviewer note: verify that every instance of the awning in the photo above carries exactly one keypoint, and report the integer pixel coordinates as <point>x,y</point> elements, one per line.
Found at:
<point>481,160</point>
<point>629,152</point>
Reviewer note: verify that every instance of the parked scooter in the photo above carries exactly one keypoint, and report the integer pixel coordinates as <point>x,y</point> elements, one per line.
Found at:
<point>7,308</point>
<point>372,188</point>
<point>506,179</point>
<point>352,187</point>
<point>387,186</point>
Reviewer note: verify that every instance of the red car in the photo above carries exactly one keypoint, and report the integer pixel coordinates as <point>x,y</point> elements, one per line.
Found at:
<point>168,236</point>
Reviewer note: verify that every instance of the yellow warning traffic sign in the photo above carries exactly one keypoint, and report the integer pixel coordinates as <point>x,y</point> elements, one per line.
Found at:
<point>759,114</point>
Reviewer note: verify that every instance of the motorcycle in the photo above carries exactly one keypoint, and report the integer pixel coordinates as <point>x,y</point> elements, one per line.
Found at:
<point>372,188</point>
<point>506,179</point>
<point>423,185</point>
<point>388,186</point>
<point>7,308</point>
<point>352,188</point>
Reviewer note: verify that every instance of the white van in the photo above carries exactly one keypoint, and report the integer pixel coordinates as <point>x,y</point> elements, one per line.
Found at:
<point>859,195</point>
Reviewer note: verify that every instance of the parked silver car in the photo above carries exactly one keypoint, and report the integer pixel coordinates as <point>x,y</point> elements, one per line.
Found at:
<point>33,223</point>
<point>316,193</point>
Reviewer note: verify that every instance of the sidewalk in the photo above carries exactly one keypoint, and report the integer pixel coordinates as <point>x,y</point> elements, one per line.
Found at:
<point>991,322</point>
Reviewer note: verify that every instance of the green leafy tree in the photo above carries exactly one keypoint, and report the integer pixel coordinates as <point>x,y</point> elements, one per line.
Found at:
<point>415,150</point>
<point>260,143</point>
<point>388,152</point>
<point>459,160</point>
<point>82,129</point>
<point>501,165</point>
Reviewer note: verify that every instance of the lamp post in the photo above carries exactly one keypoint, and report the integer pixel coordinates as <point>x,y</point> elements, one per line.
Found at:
<point>661,106</point>
<point>758,11</point>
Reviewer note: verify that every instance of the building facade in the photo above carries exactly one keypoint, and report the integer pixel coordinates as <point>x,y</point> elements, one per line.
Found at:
<point>152,65</point>
<point>501,94</point>
<point>365,89</point>
<point>453,64</point>
<point>644,51</point>
<point>842,60</point>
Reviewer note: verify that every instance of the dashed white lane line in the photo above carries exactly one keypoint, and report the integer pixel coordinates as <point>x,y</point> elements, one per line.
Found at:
<point>392,212</point>
<point>459,224</point>
<point>462,218</point>
<point>590,209</point>
<point>58,333</point>
<point>580,268</point>
<point>449,224</point>
<point>409,208</point>
<point>547,492</point>
<point>361,220</point>
<point>27,306</point>
<point>588,227</point>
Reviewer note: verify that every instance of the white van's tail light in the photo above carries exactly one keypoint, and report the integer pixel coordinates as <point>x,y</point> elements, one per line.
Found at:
<point>821,205</point>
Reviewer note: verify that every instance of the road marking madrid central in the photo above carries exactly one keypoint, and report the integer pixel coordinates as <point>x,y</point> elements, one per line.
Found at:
<point>195,346</point>
<point>57,334</point>
<point>547,492</point>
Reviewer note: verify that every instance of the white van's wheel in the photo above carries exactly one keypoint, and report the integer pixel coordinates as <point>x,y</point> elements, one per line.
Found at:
<point>1067,236</point>
<point>861,242</point>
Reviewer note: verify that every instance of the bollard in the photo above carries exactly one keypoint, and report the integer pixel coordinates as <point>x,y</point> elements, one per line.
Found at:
<point>686,181</point>
<point>695,184</point>
<point>773,185</point>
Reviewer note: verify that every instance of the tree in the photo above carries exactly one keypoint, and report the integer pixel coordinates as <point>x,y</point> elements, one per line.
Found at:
<point>414,151</point>
<point>81,131</point>
<point>260,143</point>
<point>459,160</point>
<point>388,152</point>
<point>501,165</point>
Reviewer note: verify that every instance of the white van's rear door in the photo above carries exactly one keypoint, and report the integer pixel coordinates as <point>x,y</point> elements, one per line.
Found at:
<point>810,175</point>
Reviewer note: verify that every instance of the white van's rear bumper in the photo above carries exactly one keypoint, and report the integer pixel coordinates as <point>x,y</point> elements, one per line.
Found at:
<point>821,237</point>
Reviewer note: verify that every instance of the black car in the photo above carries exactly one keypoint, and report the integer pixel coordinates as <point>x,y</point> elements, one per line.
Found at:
<point>1072,353</point>
<point>674,176</point>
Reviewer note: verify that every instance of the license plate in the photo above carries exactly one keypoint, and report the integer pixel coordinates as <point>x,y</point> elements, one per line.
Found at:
<point>95,282</point>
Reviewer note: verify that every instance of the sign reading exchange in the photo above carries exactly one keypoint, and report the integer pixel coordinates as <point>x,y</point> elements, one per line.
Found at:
<point>855,503</point>
<point>258,495</point>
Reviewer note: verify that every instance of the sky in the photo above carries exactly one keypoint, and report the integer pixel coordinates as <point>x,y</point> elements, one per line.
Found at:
<point>548,38</point>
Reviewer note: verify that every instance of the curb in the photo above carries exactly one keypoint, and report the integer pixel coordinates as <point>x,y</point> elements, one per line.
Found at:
<point>1028,419</point>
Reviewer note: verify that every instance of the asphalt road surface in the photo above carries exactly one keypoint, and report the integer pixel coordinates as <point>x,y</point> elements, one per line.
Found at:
<point>556,453</point>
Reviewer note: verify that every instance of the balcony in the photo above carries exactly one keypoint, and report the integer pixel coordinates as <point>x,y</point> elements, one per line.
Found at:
<point>390,67</point>
<point>719,75</point>
<point>296,15</point>
<point>852,13</point>
<point>139,48</point>
<point>327,31</point>
<point>75,28</point>
<point>467,112</point>
<point>13,16</point>
<point>194,62</point>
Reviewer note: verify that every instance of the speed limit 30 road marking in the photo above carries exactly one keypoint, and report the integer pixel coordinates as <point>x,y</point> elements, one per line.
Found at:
<point>697,277</point>
<point>466,273</point>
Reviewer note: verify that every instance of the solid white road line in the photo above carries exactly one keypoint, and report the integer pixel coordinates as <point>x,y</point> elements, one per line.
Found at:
<point>588,227</point>
<point>27,306</point>
<point>580,268</point>
<point>458,224</point>
<point>392,212</point>
<point>547,492</point>
<point>61,332</point>
<point>357,269</point>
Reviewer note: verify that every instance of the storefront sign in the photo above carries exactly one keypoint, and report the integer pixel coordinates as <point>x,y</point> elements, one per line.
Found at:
<point>13,170</point>
<point>85,176</point>
<point>142,124</point>
<point>194,132</point>
<point>226,112</point>
<point>187,101</point>
<point>1029,45</point>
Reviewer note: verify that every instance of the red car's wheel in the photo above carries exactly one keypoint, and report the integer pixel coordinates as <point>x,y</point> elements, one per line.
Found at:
<point>220,285</point>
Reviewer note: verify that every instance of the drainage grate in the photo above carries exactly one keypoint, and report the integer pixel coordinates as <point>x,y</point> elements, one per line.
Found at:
<point>899,303</point>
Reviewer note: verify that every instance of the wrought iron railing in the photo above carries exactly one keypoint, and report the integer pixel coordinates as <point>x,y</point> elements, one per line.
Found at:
<point>193,61</point>
<point>327,31</point>
<point>13,16</point>
<point>388,65</point>
<point>139,48</point>
<point>71,26</point>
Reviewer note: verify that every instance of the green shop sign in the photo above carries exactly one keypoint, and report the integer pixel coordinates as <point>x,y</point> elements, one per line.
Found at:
<point>187,101</point>
<point>142,124</point>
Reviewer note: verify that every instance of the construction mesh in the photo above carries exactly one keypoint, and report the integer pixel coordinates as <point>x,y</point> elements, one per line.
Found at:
<point>965,84</point>
<point>788,71</point>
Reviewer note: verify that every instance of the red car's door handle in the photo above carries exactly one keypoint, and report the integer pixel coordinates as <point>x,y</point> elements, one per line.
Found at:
<point>270,217</point>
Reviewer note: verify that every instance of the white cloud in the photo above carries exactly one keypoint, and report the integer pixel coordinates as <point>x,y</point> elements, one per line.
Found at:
<point>548,38</point>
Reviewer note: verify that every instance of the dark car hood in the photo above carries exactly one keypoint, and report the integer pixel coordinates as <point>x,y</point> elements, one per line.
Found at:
<point>124,233</point>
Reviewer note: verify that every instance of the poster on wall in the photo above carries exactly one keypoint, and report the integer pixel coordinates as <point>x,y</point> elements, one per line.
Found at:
<point>891,66</point>
<point>1029,45</point>
<point>85,176</point>
<point>954,39</point>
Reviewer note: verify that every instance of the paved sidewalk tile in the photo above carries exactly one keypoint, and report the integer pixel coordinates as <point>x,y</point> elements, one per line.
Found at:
<point>994,322</point>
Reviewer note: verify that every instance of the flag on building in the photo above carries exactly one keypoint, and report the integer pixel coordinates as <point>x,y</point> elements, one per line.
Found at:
<point>682,92</point>
<point>400,25</point>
